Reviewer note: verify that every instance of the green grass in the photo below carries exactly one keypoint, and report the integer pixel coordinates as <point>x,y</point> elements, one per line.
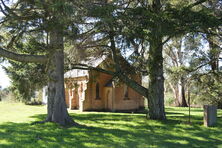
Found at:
<point>106,130</point>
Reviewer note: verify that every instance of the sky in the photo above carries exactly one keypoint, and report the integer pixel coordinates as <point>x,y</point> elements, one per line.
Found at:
<point>4,80</point>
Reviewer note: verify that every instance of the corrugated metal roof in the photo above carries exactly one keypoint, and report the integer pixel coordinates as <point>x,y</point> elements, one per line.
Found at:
<point>76,73</point>
<point>93,61</point>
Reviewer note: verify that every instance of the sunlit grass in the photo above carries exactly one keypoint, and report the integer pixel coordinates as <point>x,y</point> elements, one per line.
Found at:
<point>18,112</point>
<point>106,130</point>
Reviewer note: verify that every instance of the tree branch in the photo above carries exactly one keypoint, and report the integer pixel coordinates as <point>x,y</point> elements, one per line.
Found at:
<point>166,40</point>
<point>130,82</point>
<point>23,57</point>
<point>3,11</point>
<point>196,3</point>
<point>86,67</point>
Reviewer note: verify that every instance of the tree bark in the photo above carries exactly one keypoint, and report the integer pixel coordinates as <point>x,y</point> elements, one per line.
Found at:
<point>155,69</point>
<point>57,110</point>
<point>214,53</point>
<point>156,81</point>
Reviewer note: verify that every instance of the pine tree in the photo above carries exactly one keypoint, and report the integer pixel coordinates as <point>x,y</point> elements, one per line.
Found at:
<point>54,19</point>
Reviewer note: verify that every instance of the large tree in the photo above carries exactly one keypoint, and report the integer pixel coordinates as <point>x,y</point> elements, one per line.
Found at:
<point>54,19</point>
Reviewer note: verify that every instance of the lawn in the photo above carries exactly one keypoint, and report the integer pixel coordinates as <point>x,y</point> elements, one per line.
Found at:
<point>106,130</point>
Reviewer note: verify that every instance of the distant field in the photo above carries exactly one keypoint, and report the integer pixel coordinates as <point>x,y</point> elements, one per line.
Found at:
<point>106,130</point>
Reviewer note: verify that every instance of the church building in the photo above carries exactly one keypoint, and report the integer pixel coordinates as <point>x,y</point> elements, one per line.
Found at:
<point>90,90</point>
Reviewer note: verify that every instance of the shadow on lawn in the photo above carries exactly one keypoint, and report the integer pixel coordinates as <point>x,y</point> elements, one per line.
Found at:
<point>110,130</point>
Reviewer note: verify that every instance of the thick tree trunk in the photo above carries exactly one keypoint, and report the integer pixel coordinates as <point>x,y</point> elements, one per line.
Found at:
<point>155,69</point>
<point>57,110</point>
<point>156,81</point>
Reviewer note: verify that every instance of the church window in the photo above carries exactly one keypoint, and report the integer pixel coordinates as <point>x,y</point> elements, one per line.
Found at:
<point>97,91</point>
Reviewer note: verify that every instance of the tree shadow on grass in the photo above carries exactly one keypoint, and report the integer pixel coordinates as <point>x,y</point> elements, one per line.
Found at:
<point>109,130</point>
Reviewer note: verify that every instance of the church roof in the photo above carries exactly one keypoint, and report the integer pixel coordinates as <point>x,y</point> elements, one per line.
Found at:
<point>93,61</point>
<point>76,73</point>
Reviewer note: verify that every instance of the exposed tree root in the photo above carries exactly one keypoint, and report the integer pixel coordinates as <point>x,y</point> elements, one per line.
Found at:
<point>39,122</point>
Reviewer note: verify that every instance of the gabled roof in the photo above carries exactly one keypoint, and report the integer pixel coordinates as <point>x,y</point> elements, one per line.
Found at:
<point>76,73</point>
<point>93,61</point>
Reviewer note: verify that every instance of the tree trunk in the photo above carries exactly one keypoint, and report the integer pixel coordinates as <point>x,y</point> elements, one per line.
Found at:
<point>214,57</point>
<point>175,90</point>
<point>177,96</point>
<point>183,102</point>
<point>155,93</point>
<point>214,53</point>
<point>57,110</point>
<point>219,105</point>
<point>156,81</point>
<point>155,69</point>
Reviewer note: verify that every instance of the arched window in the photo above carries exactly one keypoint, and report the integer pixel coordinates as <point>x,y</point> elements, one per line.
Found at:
<point>126,92</point>
<point>97,91</point>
